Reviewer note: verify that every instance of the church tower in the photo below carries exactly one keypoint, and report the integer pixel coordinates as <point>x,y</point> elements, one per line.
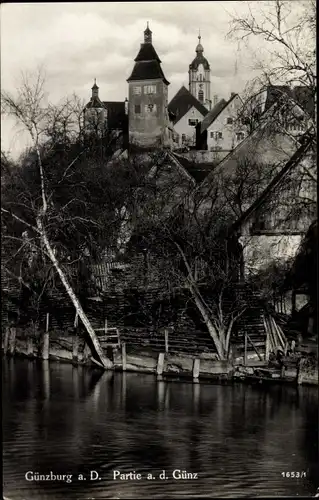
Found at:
<point>199,77</point>
<point>95,113</point>
<point>148,98</point>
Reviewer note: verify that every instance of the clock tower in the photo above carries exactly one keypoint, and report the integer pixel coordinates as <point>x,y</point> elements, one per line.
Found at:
<point>199,77</point>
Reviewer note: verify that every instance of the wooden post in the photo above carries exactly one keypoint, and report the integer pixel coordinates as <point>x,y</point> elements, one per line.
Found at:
<point>124,357</point>
<point>45,346</point>
<point>105,327</point>
<point>12,340</point>
<point>47,322</point>
<point>160,363</point>
<point>30,346</point>
<point>267,340</point>
<point>6,339</point>
<point>75,343</point>
<point>300,371</point>
<point>45,340</point>
<point>166,340</point>
<point>75,349</point>
<point>245,350</point>
<point>196,367</point>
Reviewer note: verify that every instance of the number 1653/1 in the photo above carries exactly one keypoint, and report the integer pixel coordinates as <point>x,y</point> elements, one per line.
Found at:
<point>294,474</point>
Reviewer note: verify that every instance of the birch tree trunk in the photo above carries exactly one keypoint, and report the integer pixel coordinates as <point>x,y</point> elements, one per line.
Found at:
<point>212,330</point>
<point>106,362</point>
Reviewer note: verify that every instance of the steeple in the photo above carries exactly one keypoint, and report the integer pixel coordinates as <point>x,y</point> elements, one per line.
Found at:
<point>199,48</point>
<point>147,63</point>
<point>199,76</point>
<point>147,35</point>
<point>95,90</point>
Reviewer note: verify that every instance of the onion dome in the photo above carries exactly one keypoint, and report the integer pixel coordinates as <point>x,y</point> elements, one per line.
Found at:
<point>199,59</point>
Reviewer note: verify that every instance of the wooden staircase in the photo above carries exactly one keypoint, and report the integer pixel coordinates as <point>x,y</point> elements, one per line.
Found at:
<point>111,337</point>
<point>259,334</point>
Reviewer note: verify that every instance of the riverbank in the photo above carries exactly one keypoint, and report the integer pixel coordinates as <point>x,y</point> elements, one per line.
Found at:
<point>167,365</point>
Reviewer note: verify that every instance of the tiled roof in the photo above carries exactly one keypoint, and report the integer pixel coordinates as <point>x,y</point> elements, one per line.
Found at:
<point>301,94</point>
<point>274,93</point>
<point>147,70</point>
<point>147,53</point>
<point>182,102</point>
<point>94,103</point>
<point>198,171</point>
<point>147,65</point>
<point>305,98</point>
<point>212,115</point>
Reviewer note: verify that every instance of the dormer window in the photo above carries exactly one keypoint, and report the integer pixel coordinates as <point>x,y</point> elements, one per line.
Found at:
<point>230,121</point>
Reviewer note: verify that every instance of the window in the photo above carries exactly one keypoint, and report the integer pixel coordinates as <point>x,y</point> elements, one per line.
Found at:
<point>137,109</point>
<point>150,108</point>
<point>149,89</point>
<point>137,90</point>
<point>230,121</point>
<point>201,96</point>
<point>216,135</point>
<point>192,122</point>
<point>183,138</point>
<point>240,136</point>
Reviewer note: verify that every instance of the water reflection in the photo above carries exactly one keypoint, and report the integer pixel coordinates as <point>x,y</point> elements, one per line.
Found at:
<point>74,419</point>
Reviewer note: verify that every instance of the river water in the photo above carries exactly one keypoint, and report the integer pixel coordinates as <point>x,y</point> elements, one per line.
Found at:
<point>237,439</point>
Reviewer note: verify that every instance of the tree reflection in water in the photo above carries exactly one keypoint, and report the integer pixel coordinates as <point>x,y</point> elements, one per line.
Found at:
<point>75,419</point>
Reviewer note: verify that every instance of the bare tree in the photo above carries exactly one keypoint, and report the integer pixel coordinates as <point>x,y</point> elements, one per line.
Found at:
<point>289,30</point>
<point>30,110</point>
<point>286,67</point>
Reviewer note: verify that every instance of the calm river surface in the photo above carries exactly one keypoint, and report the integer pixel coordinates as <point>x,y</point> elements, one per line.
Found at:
<point>238,439</point>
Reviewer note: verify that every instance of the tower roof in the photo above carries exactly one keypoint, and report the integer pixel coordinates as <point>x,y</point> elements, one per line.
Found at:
<point>95,87</point>
<point>147,63</point>
<point>199,59</point>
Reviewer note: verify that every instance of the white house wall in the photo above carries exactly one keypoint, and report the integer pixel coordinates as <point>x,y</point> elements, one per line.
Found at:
<point>182,126</point>
<point>228,140</point>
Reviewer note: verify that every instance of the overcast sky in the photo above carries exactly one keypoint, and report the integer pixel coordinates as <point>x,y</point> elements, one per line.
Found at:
<point>77,42</point>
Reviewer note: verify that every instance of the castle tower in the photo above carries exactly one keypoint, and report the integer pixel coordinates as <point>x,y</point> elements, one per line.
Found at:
<point>148,98</point>
<point>199,77</point>
<point>95,113</point>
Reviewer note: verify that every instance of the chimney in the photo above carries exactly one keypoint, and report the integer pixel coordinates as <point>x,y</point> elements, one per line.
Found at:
<point>232,94</point>
<point>215,100</point>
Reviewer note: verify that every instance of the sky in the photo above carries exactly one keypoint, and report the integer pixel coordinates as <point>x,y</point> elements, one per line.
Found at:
<point>77,42</point>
